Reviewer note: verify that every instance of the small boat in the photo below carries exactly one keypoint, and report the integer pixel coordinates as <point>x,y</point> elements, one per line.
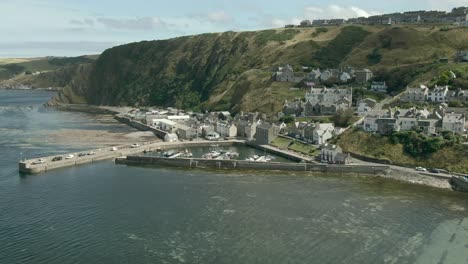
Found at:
<point>169,153</point>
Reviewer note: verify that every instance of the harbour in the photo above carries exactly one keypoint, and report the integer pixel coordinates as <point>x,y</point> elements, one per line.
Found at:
<point>108,213</point>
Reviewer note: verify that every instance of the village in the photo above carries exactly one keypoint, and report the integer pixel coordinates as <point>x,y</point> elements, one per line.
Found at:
<point>458,17</point>
<point>306,125</point>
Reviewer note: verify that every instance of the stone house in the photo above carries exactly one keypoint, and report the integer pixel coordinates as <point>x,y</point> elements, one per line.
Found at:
<point>365,106</point>
<point>297,129</point>
<point>285,74</point>
<point>417,94</point>
<point>370,122</point>
<point>265,134</point>
<point>334,154</point>
<point>327,101</point>
<point>225,129</point>
<point>363,76</point>
<point>314,75</point>
<point>379,87</point>
<point>293,108</point>
<point>438,95</point>
<point>186,132</point>
<point>207,129</point>
<point>246,129</point>
<point>387,125</point>
<point>457,95</point>
<point>454,122</point>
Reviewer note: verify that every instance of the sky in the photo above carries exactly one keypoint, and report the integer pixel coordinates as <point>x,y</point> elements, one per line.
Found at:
<point>33,28</point>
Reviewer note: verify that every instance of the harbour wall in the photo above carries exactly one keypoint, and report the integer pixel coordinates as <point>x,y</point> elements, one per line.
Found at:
<point>281,153</point>
<point>29,166</point>
<point>250,165</point>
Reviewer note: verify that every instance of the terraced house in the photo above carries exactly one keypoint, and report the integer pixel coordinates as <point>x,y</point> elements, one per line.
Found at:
<point>327,101</point>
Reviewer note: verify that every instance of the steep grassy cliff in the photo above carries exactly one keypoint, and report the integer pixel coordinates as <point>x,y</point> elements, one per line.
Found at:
<point>232,70</point>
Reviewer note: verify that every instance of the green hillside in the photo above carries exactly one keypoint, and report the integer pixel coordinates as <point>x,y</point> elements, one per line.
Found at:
<point>232,70</point>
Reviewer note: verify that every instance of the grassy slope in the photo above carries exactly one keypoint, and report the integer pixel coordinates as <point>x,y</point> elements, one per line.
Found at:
<point>376,146</point>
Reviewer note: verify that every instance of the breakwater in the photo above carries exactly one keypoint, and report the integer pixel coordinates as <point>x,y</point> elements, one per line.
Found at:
<point>32,166</point>
<point>250,165</point>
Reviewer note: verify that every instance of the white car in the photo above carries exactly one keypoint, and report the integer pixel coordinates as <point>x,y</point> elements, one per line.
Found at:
<point>39,161</point>
<point>135,145</point>
<point>91,153</point>
<point>420,169</point>
<point>114,149</point>
<point>71,156</point>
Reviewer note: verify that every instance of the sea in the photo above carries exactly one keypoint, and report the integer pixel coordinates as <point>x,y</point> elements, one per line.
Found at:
<point>108,213</point>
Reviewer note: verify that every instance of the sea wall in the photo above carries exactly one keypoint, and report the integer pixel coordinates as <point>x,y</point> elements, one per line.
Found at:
<point>140,126</point>
<point>250,165</point>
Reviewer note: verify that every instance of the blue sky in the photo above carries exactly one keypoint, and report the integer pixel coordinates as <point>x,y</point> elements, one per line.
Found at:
<point>68,28</point>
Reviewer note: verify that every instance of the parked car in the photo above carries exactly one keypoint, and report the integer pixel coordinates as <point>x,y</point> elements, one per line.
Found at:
<point>57,158</point>
<point>39,161</point>
<point>81,154</point>
<point>434,170</point>
<point>71,156</point>
<point>114,149</point>
<point>420,169</point>
<point>135,145</point>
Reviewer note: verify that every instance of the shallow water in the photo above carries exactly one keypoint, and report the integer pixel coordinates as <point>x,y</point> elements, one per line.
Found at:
<point>107,213</point>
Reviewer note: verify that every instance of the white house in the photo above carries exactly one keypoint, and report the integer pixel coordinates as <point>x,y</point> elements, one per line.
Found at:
<point>333,154</point>
<point>370,122</point>
<point>170,137</point>
<point>418,94</point>
<point>454,122</point>
<point>285,74</point>
<point>438,95</point>
<point>165,124</point>
<point>365,106</point>
<point>323,132</point>
<point>379,87</point>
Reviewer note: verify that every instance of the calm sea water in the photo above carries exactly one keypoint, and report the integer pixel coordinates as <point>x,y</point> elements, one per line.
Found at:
<point>104,213</point>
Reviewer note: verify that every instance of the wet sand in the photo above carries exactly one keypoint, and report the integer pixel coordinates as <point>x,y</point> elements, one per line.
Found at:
<point>95,138</point>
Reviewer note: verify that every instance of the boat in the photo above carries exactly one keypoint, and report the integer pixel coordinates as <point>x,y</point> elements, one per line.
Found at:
<point>459,183</point>
<point>257,158</point>
<point>211,155</point>
<point>169,153</point>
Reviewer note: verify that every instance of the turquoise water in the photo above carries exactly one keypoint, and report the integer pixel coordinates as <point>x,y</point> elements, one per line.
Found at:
<point>107,213</point>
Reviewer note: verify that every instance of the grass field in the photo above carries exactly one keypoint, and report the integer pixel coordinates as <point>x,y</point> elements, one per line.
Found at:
<point>284,143</point>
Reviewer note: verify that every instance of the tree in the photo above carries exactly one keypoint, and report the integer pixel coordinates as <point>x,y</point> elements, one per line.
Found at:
<point>343,118</point>
<point>287,119</point>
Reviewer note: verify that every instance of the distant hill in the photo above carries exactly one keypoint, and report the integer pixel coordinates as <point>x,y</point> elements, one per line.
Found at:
<point>12,67</point>
<point>232,70</point>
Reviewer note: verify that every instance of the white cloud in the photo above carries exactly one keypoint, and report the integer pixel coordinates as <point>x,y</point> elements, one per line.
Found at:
<point>219,17</point>
<point>336,11</point>
<point>141,23</point>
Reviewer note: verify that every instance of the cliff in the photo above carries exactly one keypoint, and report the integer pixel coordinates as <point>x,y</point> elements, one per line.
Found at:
<point>232,70</point>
